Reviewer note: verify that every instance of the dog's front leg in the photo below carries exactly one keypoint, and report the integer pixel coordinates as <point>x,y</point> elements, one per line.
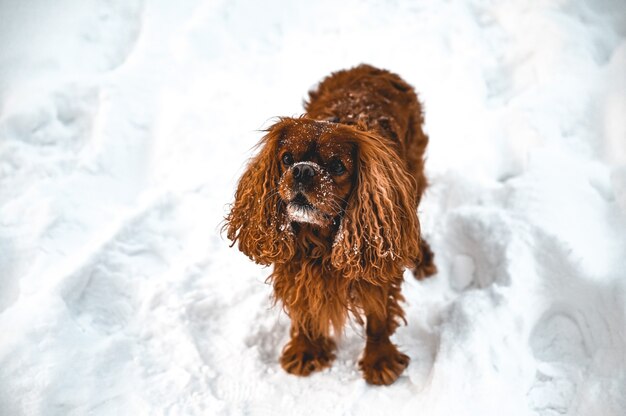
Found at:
<point>382,363</point>
<point>306,352</point>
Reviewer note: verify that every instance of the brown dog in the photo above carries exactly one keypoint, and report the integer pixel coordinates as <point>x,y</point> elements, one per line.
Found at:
<point>331,201</point>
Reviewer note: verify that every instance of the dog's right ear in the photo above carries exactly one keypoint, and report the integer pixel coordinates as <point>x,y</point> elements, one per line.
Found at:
<point>257,218</point>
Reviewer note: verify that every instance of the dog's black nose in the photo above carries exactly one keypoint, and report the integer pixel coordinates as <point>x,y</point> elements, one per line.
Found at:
<point>303,173</point>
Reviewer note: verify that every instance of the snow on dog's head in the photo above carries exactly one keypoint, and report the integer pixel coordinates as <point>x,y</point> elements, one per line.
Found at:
<point>319,175</point>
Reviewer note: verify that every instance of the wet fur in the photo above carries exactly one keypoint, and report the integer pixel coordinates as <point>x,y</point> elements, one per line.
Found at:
<point>322,274</point>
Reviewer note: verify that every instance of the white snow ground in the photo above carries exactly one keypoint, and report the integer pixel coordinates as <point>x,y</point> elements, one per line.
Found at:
<point>124,126</point>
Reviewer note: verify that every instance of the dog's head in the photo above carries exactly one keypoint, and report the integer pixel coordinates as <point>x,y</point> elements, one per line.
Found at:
<point>317,172</point>
<point>334,177</point>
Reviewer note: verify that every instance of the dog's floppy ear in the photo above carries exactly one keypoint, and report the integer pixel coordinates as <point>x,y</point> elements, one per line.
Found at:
<point>256,218</point>
<point>380,231</point>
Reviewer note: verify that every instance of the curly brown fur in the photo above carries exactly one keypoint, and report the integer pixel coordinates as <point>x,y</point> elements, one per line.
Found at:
<point>331,202</point>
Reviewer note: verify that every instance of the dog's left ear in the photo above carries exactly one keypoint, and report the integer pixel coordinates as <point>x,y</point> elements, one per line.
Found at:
<point>256,218</point>
<point>380,231</point>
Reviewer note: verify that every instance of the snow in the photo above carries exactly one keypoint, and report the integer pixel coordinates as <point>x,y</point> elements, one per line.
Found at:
<point>304,214</point>
<point>124,126</point>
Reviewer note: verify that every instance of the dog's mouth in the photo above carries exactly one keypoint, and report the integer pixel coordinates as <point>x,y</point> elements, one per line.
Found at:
<point>299,209</point>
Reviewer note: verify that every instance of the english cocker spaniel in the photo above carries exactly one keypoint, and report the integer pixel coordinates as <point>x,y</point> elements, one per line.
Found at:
<point>331,202</point>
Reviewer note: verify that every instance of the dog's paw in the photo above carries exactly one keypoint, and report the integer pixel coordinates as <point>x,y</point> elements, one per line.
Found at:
<point>422,272</point>
<point>425,266</point>
<point>302,356</point>
<point>382,364</point>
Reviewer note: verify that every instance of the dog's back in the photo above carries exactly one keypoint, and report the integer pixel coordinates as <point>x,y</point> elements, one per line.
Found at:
<point>379,101</point>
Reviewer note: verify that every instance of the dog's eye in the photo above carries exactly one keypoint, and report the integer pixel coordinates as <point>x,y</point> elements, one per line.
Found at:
<point>336,167</point>
<point>287,159</point>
